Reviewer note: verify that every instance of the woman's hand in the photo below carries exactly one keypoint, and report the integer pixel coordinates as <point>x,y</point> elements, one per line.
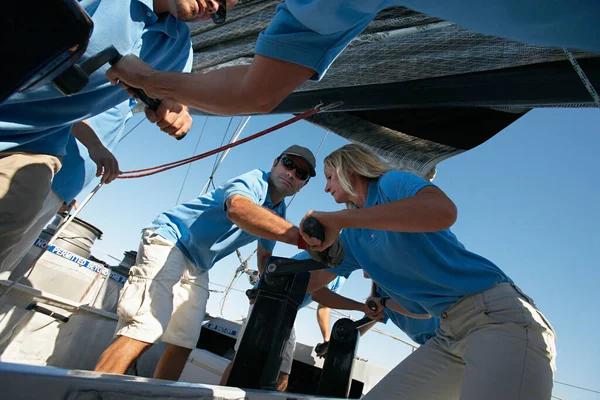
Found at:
<point>330,226</point>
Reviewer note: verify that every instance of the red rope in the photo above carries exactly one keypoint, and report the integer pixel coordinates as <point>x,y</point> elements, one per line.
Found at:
<point>165,167</point>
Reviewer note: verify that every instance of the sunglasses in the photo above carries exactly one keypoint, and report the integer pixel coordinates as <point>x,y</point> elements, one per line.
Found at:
<point>219,16</point>
<point>289,164</point>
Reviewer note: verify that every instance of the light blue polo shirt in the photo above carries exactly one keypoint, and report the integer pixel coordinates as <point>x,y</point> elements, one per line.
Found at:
<point>201,229</point>
<point>313,33</point>
<point>40,120</point>
<point>335,285</point>
<point>419,330</point>
<point>78,169</point>
<point>432,269</point>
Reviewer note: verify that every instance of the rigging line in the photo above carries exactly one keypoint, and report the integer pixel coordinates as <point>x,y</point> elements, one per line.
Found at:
<point>131,130</point>
<point>584,79</point>
<point>160,168</point>
<point>578,387</point>
<point>190,166</point>
<point>214,168</point>
<point>223,139</point>
<point>316,154</point>
<point>238,131</point>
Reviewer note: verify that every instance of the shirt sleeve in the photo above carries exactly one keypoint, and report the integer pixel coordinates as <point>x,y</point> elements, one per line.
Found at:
<point>314,33</point>
<point>267,244</point>
<point>248,185</point>
<point>349,264</point>
<point>398,185</point>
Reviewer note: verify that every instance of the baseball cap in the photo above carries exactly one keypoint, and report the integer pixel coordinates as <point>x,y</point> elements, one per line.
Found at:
<point>304,153</point>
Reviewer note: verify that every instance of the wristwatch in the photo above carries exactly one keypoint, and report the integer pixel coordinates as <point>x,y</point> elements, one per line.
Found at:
<point>383,300</point>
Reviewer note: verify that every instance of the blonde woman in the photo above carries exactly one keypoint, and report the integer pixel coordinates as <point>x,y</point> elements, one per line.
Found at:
<point>492,342</point>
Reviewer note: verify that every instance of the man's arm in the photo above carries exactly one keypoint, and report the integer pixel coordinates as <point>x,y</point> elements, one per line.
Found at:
<point>324,321</point>
<point>259,221</point>
<point>248,89</point>
<point>261,257</point>
<point>106,163</point>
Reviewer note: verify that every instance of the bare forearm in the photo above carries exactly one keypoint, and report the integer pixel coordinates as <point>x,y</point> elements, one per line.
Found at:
<point>394,306</point>
<point>324,319</point>
<point>261,222</point>
<point>220,92</point>
<point>249,89</point>
<point>85,134</point>
<point>425,213</point>
<point>331,299</point>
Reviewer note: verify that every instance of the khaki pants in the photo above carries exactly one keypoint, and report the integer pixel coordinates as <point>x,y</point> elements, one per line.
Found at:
<point>493,345</point>
<point>25,181</point>
<point>32,232</point>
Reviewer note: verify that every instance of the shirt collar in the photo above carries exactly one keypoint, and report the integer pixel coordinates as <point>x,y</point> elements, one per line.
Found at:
<point>165,23</point>
<point>372,192</point>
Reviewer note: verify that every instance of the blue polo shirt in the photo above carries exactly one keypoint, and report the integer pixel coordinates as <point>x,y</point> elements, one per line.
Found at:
<point>432,269</point>
<point>78,169</point>
<point>40,120</point>
<point>313,33</point>
<point>419,330</point>
<point>201,229</point>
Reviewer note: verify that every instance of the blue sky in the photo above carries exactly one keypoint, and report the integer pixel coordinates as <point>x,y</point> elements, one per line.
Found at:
<point>526,200</point>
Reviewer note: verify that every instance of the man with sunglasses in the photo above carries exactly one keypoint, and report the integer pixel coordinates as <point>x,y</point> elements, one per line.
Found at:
<point>35,125</point>
<point>306,36</point>
<point>165,296</point>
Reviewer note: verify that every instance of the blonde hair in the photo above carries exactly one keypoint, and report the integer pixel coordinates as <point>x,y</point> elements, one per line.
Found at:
<point>355,159</point>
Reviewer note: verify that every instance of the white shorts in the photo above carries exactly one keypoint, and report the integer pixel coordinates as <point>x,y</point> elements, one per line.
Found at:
<point>165,296</point>
<point>288,352</point>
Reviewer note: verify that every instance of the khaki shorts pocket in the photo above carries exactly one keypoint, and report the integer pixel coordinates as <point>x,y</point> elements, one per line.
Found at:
<point>131,299</point>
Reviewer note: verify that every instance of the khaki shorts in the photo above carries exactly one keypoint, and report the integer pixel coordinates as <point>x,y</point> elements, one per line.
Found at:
<point>288,352</point>
<point>165,296</point>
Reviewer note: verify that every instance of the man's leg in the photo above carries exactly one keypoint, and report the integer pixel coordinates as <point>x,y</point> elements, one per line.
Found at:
<point>146,302</point>
<point>120,355</point>
<point>25,181</point>
<point>190,296</point>
<point>286,363</point>
<point>47,212</point>
<point>282,381</point>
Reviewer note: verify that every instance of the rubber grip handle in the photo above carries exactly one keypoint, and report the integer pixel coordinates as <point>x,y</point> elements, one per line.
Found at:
<point>313,228</point>
<point>140,94</point>
<point>372,305</point>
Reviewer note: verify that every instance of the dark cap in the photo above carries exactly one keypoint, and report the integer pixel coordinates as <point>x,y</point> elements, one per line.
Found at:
<point>304,153</point>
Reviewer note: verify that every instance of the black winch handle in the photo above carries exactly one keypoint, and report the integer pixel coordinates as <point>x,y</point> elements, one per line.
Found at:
<point>313,228</point>
<point>372,305</point>
<point>140,94</point>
